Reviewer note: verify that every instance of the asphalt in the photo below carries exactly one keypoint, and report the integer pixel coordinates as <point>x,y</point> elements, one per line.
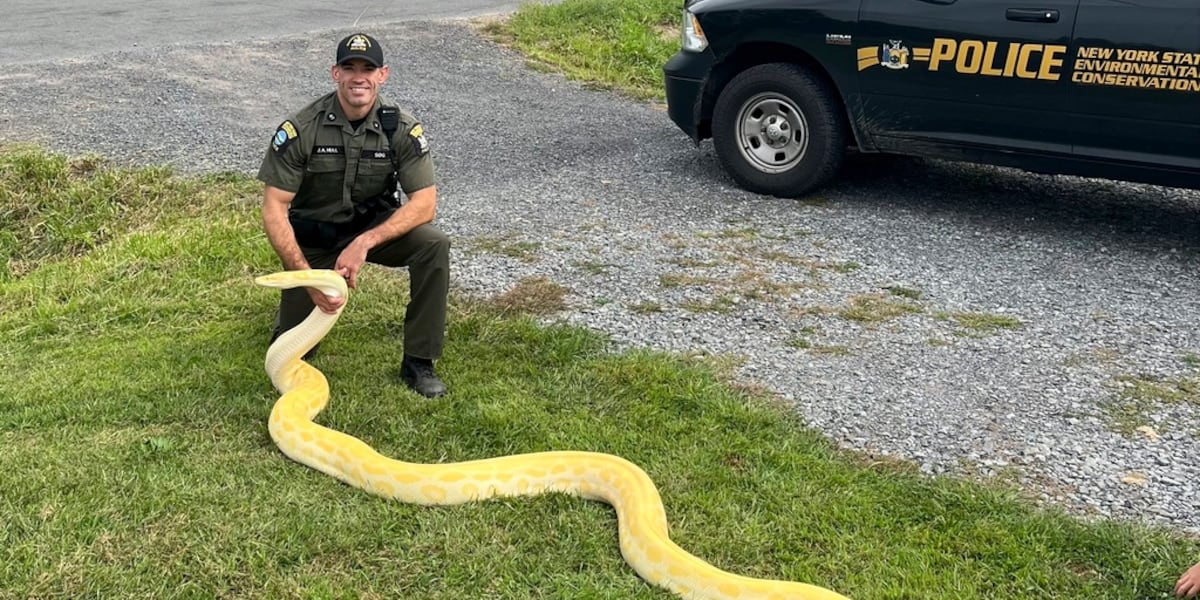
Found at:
<point>35,30</point>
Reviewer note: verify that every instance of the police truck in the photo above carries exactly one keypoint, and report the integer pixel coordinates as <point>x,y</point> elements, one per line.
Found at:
<point>1097,88</point>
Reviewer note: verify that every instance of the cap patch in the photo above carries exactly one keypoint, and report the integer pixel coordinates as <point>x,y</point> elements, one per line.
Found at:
<point>284,137</point>
<point>358,43</point>
<point>420,144</point>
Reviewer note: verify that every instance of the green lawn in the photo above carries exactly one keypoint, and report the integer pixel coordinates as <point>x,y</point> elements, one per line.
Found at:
<point>611,44</point>
<point>136,461</point>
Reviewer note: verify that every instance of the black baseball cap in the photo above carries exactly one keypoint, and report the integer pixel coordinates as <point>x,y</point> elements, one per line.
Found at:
<point>360,45</point>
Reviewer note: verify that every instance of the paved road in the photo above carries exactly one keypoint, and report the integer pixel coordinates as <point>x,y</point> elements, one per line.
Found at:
<point>36,29</point>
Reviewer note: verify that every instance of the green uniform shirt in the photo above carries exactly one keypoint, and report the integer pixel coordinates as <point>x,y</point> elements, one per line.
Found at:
<point>330,166</point>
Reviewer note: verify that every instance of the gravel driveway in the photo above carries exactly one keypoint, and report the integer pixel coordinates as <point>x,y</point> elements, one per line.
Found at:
<point>974,320</point>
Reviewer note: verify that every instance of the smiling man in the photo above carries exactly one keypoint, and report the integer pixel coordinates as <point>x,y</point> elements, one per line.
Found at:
<point>333,173</point>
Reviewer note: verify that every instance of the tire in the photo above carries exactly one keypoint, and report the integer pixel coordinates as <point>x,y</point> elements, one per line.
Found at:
<point>779,129</point>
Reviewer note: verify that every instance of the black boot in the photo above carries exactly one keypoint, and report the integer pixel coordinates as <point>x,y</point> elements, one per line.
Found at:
<point>417,373</point>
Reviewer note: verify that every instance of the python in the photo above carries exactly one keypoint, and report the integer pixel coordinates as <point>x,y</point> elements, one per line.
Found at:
<point>641,517</point>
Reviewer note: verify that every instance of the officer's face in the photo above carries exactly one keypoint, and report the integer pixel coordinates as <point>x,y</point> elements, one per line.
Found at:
<point>358,84</point>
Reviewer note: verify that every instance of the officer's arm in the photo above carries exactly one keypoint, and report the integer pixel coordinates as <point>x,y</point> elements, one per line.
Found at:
<point>420,209</point>
<point>279,229</point>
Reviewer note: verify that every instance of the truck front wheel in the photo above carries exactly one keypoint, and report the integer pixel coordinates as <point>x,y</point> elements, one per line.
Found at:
<point>778,129</point>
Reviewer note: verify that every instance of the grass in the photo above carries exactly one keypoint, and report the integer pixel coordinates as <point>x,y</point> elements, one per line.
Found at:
<point>137,464</point>
<point>876,308</point>
<point>720,304</point>
<point>506,246</point>
<point>532,296</point>
<point>802,340</point>
<point>979,324</point>
<point>52,206</point>
<point>593,267</point>
<point>904,292</point>
<point>803,343</point>
<point>611,44</point>
<point>1137,397</point>
<point>1191,359</point>
<point>745,234</point>
<point>748,284</point>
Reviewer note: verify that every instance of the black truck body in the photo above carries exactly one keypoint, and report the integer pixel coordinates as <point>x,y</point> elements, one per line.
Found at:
<point>1097,88</point>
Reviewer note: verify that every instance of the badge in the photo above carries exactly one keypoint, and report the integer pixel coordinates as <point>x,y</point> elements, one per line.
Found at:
<point>418,139</point>
<point>838,39</point>
<point>283,137</point>
<point>358,43</point>
<point>894,56</point>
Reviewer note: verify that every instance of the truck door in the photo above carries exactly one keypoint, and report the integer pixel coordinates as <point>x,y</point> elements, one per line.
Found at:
<point>1136,81</point>
<point>976,73</point>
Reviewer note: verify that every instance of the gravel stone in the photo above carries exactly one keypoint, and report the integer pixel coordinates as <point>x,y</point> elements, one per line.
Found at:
<point>660,250</point>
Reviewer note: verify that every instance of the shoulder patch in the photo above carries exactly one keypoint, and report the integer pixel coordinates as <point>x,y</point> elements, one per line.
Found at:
<point>420,144</point>
<point>284,136</point>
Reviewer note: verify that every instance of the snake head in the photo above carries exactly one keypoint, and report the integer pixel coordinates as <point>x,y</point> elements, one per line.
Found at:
<point>329,282</point>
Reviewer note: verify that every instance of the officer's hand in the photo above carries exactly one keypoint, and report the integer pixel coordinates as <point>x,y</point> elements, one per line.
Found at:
<point>350,261</point>
<point>1189,584</point>
<point>327,304</point>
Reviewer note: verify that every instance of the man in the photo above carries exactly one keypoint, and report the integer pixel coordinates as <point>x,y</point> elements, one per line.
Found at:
<point>330,203</point>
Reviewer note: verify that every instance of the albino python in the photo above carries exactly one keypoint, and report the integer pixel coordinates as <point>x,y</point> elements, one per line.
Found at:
<point>641,518</point>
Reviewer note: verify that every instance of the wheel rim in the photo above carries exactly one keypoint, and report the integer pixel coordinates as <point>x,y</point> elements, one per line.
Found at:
<point>772,132</point>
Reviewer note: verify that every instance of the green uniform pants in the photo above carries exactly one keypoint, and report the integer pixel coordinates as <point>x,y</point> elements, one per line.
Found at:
<point>426,252</point>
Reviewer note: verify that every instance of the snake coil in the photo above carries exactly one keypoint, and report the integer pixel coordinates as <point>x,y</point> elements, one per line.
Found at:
<point>641,518</point>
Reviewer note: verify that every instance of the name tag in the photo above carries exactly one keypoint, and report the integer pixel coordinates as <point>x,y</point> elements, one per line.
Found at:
<point>376,154</point>
<point>329,150</point>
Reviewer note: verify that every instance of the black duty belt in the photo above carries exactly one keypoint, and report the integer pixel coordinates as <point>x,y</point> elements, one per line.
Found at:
<point>325,235</point>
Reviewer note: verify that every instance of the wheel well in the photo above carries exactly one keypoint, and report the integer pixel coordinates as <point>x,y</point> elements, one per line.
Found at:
<point>750,55</point>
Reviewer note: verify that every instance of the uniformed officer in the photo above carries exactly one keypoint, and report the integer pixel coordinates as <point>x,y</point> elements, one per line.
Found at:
<point>330,176</point>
